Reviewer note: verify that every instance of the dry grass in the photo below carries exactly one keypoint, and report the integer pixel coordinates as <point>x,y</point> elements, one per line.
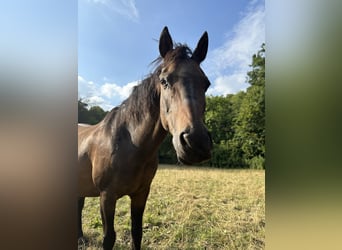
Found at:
<point>192,208</point>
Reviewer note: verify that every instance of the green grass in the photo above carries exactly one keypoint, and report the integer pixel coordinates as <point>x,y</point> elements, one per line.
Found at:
<point>191,208</point>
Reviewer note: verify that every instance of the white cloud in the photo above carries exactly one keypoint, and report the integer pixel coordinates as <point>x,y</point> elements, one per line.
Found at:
<point>107,95</point>
<point>113,90</point>
<point>229,63</point>
<point>95,100</point>
<point>228,84</point>
<point>126,8</point>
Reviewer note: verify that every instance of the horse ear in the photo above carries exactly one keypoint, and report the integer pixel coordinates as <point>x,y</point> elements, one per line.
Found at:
<point>165,42</point>
<point>202,48</point>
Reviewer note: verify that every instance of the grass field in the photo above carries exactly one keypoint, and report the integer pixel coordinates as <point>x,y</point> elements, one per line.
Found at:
<point>191,208</point>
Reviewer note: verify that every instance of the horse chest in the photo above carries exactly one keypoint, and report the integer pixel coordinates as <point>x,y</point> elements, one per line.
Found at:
<point>130,177</point>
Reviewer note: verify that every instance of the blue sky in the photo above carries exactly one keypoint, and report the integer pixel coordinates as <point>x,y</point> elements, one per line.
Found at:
<point>118,39</point>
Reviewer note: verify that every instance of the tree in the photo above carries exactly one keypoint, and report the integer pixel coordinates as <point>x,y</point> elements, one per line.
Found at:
<point>167,154</point>
<point>256,77</point>
<point>218,117</point>
<point>90,116</point>
<point>82,111</point>
<point>250,122</point>
<point>220,114</point>
<point>96,114</point>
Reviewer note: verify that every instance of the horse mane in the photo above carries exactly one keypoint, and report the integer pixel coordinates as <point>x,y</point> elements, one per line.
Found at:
<point>108,119</point>
<point>145,96</point>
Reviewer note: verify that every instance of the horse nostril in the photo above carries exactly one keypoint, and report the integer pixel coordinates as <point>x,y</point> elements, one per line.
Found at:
<point>182,137</point>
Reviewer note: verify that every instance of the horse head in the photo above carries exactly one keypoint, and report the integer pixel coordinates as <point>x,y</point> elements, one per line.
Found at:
<point>182,98</point>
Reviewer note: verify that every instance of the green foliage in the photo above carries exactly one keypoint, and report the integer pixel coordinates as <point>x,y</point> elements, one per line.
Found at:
<point>237,122</point>
<point>256,77</point>
<point>82,111</point>
<point>257,162</point>
<point>90,116</point>
<point>96,114</point>
<point>249,124</point>
<point>218,118</point>
<point>167,154</point>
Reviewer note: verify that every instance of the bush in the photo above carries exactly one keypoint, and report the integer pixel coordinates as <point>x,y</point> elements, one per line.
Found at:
<point>257,162</point>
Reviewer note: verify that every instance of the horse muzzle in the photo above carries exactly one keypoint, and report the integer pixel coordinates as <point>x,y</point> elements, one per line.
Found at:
<point>193,145</point>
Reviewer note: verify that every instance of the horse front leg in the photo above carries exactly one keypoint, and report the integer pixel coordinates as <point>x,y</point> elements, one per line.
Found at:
<point>107,205</point>
<point>138,202</point>
<point>80,205</point>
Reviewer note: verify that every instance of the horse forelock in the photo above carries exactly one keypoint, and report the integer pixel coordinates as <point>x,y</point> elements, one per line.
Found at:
<point>180,52</point>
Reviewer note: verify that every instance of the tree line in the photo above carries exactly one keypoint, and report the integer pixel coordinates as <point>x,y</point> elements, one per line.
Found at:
<point>236,122</point>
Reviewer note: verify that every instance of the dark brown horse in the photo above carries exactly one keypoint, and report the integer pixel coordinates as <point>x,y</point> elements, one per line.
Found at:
<point>119,155</point>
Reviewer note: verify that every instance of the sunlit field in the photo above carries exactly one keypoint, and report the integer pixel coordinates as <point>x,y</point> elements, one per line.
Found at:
<point>191,208</point>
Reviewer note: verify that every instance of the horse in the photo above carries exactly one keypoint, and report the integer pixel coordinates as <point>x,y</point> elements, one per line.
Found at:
<point>119,155</point>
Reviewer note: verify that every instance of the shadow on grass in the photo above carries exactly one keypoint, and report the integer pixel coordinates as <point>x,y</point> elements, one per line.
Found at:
<point>93,241</point>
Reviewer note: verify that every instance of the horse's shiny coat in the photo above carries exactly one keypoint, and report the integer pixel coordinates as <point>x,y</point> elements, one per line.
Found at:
<point>119,155</point>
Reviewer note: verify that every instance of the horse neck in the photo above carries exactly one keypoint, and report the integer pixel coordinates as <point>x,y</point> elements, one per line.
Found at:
<point>141,114</point>
<point>149,132</point>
